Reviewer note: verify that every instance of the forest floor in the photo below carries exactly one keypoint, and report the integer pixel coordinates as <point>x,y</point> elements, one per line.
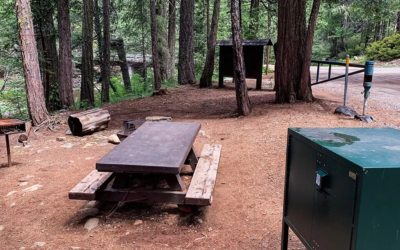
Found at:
<point>247,207</point>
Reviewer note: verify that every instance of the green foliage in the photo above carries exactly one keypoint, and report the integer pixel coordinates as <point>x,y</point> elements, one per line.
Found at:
<point>13,99</point>
<point>386,49</point>
<point>269,70</point>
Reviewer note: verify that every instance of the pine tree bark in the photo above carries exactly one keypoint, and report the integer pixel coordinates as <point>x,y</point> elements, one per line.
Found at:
<point>34,88</point>
<point>305,91</point>
<point>208,20</point>
<point>87,87</point>
<point>254,18</point>
<point>172,37</point>
<point>154,46</point>
<point>97,28</point>
<point>105,87</point>
<point>290,49</point>
<point>143,44</point>
<point>242,98</point>
<point>162,36</point>
<point>119,45</point>
<point>206,77</point>
<point>65,57</point>
<point>47,48</point>
<point>186,71</point>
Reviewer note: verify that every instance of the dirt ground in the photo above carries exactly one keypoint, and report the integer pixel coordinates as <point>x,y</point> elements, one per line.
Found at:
<point>247,207</point>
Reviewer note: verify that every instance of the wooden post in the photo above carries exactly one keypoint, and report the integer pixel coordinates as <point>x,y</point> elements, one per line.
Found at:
<point>8,150</point>
<point>267,62</point>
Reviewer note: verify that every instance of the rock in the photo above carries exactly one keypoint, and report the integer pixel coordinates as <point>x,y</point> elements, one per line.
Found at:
<point>32,188</point>
<point>89,158</point>
<point>61,138</point>
<point>203,133</point>
<point>200,221</point>
<point>26,178</point>
<point>23,184</point>
<point>91,204</point>
<point>86,212</point>
<point>1,227</point>
<point>68,132</point>
<point>88,145</point>
<point>114,139</point>
<point>364,118</point>
<point>12,205</point>
<point>158,119</point>
<point>38,244</point>
<point>76,248</point>
<point>346,111</point>
<point>11,193</point>
<point>67,145</point>
<point>22,138</point>
<point>137,222</point>
<point>91,223</point>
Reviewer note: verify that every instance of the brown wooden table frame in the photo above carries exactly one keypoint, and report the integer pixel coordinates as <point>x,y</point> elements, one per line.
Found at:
<point>130,186</point>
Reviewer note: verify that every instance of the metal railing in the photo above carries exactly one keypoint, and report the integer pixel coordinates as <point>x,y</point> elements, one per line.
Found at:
<point>330,63</point>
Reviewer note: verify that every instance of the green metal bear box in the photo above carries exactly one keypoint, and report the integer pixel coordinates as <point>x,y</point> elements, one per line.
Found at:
<point>342,188</point>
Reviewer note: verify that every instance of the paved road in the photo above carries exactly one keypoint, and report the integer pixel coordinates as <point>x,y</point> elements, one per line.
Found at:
<point>385,84</point>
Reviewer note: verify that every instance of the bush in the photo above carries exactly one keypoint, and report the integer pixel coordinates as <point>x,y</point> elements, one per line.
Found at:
<point>386,49</point>
<point>13,99</point>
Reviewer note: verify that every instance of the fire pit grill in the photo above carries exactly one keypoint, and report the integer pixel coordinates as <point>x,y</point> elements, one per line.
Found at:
<point>10,126</point>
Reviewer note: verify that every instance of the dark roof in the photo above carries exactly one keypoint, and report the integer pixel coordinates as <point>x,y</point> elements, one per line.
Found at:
<point>256,42</point>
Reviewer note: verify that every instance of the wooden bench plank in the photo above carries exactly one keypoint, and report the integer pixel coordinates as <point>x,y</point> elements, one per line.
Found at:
<point>201,188</point>
<point>87,188</point>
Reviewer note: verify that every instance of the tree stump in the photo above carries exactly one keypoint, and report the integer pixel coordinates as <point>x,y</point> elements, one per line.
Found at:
<point>89,121</point>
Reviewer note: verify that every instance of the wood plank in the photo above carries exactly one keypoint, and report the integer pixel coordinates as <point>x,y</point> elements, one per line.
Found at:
<point>142,196</point>
<point>202,186</point>
<point>154,148</point>
<point>87,188</point>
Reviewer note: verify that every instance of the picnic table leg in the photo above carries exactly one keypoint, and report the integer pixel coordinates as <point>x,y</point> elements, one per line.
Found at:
<point>192,159</point>
<point>175,182</point>
<point>8,150</point>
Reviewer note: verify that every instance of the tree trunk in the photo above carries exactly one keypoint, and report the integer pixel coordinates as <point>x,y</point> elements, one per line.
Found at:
<point>97,28</point>
<point>172,37</point>
<point>305,91</point>
<point>242,98</point>
<point>105,86</point>
<point>144,45</point>
<point>208,20</point>
<point>89,121</point>
<point>87,87</point>
<point>162,36</point>
<point>47,47</point>
<point>154,45</point>
<point>118,44</point>
<point>290,57</point>
<point>254,18</point>
<point>34,88</point>
<point>65,58</point>
<point>398,23</point>
<point>186,72</point>
<point>206,77</point>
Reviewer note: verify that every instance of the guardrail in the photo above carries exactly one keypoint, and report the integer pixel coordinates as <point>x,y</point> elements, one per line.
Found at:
<point>330,63</point>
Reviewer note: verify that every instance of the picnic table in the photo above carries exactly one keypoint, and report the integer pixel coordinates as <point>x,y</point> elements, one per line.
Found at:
<point>147,168</point>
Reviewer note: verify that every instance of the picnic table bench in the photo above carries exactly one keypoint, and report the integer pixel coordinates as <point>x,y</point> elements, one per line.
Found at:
<point>147,167</point>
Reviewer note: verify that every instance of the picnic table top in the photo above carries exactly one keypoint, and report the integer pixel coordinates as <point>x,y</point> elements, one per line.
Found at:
<point>155,147</point>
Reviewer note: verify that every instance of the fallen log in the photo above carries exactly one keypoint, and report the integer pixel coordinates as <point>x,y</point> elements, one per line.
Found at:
<point>89,121</point>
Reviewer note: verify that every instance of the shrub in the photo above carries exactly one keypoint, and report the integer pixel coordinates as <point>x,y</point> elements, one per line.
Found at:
<point>386,49</point>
